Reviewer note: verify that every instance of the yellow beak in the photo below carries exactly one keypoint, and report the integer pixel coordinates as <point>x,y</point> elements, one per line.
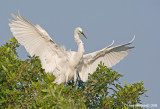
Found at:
<point>83,35</point>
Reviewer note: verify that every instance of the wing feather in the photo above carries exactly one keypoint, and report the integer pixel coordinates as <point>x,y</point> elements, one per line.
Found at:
<point>110,56</point>
<point>37,42</point>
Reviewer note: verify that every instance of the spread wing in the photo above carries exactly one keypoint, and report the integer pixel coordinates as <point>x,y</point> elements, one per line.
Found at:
<point>37,42</point>
<point>110,56</point>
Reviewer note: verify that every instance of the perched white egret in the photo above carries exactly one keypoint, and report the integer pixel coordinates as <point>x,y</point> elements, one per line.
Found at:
<point>54,59</point>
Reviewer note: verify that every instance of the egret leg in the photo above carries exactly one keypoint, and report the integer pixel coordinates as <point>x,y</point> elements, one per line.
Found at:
<point>66,78</point>
<point>75,82</point>
<point>75,79</point>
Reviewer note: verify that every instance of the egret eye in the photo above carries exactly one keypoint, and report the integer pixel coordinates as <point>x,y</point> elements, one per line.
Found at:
<point>80,31</point>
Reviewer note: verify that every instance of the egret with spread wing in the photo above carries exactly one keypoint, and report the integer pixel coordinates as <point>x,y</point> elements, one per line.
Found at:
<point>54,59</point>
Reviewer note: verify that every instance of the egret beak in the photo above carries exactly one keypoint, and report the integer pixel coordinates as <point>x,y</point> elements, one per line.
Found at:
<point>83,35</point>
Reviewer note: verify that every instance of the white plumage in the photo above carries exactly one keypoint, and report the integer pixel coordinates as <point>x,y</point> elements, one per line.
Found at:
<point>54,59</point>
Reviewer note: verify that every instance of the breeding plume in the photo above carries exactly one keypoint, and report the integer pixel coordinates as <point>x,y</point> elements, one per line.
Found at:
<point>54,59</point>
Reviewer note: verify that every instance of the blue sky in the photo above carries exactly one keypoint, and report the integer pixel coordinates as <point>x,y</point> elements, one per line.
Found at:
<point>101,21</point>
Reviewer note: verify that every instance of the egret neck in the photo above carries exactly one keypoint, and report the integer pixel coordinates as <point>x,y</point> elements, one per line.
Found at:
<point>79,53</point>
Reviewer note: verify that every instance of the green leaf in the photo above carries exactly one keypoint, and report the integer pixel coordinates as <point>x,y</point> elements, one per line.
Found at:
<point>45,90</point>
<point>134,89</point>
<point>4,68</point>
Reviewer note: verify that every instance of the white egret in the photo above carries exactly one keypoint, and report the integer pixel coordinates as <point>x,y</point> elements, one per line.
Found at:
<point>54,59</point>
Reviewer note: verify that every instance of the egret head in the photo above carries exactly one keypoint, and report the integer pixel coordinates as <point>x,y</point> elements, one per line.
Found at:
<point>79,31</point>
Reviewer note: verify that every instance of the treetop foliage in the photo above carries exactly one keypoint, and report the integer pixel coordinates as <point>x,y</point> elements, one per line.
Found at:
<point>24,84</point>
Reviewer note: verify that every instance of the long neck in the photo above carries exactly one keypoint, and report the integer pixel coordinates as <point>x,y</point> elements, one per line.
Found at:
<point>80,51</point>
<point>79,43</point>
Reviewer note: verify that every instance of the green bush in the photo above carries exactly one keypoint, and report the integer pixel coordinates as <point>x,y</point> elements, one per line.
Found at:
<point>24,84</point>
